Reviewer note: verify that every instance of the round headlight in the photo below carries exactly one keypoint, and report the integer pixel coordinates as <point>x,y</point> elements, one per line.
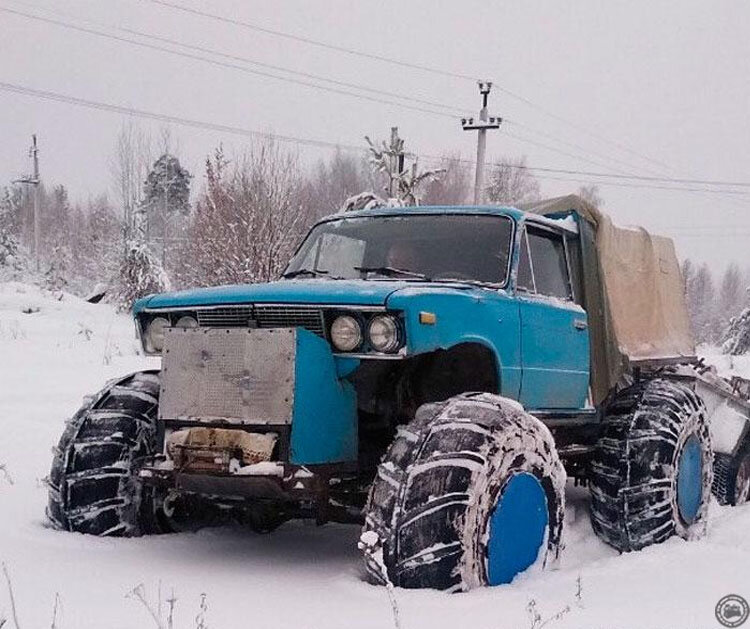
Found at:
<point>346,333</point>
<point>155,333</point>
<point>186,322</point>
<point>383,333</point>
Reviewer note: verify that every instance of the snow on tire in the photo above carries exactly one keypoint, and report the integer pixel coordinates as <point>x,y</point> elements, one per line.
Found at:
<point>92,484</point>
<point>652,470</point>
<point>470,493</point>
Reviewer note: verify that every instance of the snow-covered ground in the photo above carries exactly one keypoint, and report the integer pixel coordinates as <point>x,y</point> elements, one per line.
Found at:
<point>301,575</point>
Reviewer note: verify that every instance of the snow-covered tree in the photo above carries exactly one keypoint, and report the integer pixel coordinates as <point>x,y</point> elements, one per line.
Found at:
<point>9,227</point>
<point>166,195</point>
<point>700,296</point>
<point>510,182</point>
<point>140,274</point>
<point>403,182</point>
<point>737,335</point>
<point>731,292</point>
<point>249,219</point>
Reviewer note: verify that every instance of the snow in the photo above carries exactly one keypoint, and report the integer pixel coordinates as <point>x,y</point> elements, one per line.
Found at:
<point>264,468</point>
<point>301,575</point>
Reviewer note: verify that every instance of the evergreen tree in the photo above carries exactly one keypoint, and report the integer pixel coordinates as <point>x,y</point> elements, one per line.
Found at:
<point>9,227</point>
<point>140,274</point>
<point>166,195</point>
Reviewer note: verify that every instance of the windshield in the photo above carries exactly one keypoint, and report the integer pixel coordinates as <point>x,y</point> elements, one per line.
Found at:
<point>420,247</point>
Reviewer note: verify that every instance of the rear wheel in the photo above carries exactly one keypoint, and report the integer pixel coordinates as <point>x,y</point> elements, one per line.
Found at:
<point>93,487</point>
<point>652,470</point>
<point>470,493</point>
<point>732,476</point>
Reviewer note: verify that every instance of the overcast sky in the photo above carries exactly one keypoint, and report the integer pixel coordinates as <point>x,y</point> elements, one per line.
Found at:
<point>648,88</point>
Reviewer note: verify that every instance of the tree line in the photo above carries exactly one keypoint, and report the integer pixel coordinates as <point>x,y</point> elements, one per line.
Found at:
<point>163,227</point>
<point>239,221</point>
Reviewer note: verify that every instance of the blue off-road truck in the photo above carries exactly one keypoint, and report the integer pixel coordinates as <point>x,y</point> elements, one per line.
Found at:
<point>434,373</point>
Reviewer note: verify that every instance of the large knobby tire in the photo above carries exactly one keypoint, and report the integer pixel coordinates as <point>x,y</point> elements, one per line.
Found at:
<point>732,476</point>
<point>93,486</point>
<point>470,493</point>
<point>652,470</point>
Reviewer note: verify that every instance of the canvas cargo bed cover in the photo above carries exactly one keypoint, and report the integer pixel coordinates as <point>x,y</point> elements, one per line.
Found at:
<point>633,293</point>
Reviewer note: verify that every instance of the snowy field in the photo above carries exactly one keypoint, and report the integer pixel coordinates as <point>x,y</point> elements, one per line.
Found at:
<point>302,575</point>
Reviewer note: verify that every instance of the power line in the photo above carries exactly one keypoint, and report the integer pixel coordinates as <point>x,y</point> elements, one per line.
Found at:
<point>200,124</point>
<point>305,83</point>
<point>404,64</point>
<point>315,42</point>
<point>588,173</point>
<point>187,122</point>
<point>248,60</point>
<point>224,64</point>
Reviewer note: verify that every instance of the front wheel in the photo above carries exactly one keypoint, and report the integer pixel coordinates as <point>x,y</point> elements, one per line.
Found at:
<point>470,493</point>
<point>93,486</point>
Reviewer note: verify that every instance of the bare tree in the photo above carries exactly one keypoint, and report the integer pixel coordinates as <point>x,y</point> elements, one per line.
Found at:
<point>333,181</point>
<point>249,219</point>
<point>129,166</point>
<point>731,292</point>
<point>511,182</point>
<point>453,187</point>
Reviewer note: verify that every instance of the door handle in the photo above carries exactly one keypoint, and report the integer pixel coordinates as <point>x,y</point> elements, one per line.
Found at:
<point>580,324</point>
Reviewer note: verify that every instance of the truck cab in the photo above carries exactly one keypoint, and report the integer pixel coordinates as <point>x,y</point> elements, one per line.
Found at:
<point>415,305</point>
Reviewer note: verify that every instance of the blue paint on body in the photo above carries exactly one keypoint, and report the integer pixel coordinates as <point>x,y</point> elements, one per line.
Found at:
<point>465,314</point>
<point>690,479</point>
<point>308,291</point>
<point>324,420</point>
<point>517,528</point>
<point>555,354</point>
<point>541,358</point>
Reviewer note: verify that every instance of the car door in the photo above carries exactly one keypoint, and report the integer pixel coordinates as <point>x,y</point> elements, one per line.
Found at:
<point>554,329</point>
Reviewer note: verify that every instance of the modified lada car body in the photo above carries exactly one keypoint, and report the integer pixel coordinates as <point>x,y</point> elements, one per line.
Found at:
<point>434,373</point>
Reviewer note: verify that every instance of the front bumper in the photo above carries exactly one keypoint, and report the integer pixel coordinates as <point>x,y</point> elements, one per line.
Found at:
<point>313,492</point>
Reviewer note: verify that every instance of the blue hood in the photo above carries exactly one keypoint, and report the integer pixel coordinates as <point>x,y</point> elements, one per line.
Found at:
<point>313,291</point>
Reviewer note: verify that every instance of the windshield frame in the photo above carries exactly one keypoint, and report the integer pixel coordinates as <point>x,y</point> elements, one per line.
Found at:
<point>497,215</point>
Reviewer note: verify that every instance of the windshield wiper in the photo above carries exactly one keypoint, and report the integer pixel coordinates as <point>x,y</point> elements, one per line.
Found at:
<point>392,271</point>
<point>457,280</point>
<point>311,272</point>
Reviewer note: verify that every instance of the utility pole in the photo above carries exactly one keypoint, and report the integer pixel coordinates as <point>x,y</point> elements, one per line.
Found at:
<point>485,122</point>
<point>395,163</point>
<point>34,181</point>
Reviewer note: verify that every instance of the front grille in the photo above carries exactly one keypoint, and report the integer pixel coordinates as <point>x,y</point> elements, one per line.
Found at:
<point>308,317</point>
<point>291,317</point>
<point>227,317</point>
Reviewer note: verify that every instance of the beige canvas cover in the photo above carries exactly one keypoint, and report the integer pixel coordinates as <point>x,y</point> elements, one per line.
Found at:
<point>636,293</point>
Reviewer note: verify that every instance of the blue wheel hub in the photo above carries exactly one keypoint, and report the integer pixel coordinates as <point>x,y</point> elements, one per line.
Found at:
<point>690,479</point>
<point>517,528</point>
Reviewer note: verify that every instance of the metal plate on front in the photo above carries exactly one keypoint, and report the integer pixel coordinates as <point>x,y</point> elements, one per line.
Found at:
<point>232,374</point>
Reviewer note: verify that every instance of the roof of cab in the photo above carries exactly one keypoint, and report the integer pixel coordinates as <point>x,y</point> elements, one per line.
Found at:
<point>495,210</point>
